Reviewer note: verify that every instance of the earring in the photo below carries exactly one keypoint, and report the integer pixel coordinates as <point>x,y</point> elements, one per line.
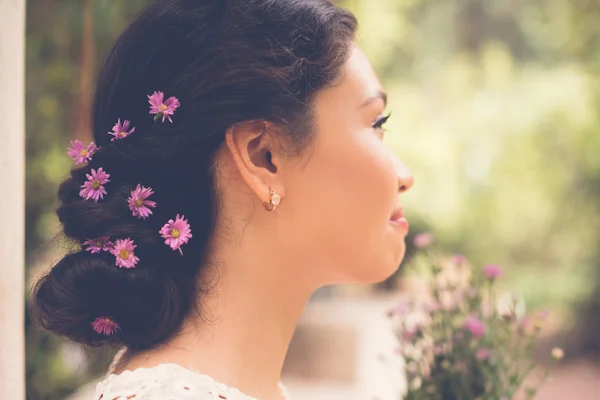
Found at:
<point>274,201</point>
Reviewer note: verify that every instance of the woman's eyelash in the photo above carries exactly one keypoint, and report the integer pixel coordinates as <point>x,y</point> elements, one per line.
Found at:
<point>381,121</point>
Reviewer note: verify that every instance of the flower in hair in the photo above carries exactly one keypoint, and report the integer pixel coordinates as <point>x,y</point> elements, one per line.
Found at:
<point>162,108</point>
<point>98,245</point>
<point>105,326</point>
<point>123,252</point>
<point>121,130</point>
<point>138,202</point>
<point>80,153</point>
<point>92,188</point>
<point>176,233</point>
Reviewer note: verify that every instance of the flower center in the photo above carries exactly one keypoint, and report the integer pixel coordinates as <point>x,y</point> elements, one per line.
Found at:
<point>139,202</point>
<point>123,134</point>
<point>163,107</point>
<point>99,243</point>
<point>175,233</point>
<point>124,254</point>
<point>95,184</point>
<point>83,152</point>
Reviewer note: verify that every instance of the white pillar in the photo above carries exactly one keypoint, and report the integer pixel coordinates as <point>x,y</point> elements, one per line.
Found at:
<point>12,199</point>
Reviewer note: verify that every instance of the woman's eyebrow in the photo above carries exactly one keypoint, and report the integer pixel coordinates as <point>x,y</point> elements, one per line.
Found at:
<point>380,95</point>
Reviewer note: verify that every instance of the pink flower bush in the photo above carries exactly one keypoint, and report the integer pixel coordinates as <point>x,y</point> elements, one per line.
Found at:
<point>123,250</point>
<point>81,153</point>
<point>162,108</point>
<point>458,340</point>
<point>121,131</point>
<point>98,245</point>
<point>492,271</point>
<point>93,188</point>
<point>138,202</point>
<point>475,326</point>
<point>105,326</point>
<point>423,240</point>
<point>176,232</point>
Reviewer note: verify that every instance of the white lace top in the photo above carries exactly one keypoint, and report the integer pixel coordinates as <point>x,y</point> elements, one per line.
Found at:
<point>167,382</point>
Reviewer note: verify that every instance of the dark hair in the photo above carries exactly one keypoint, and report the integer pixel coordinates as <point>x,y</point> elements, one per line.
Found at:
<point>227,61</point>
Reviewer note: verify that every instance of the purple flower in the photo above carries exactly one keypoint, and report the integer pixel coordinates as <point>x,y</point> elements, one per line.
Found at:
<point>138,202</point>
<point>80,153</point>
<point>176,232</point>
<point>423,240</point>
<point>492,271</point>
<point>121,131</point>
<point>92,188</point>
<point>98,245</point>
<point>123,252</point>
<point>160,108</point>
<point>105,326</point>
<point>475,326</point>
<point>483,354</point>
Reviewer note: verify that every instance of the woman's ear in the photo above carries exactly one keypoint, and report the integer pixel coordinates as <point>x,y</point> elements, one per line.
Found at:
<point>252,152</point>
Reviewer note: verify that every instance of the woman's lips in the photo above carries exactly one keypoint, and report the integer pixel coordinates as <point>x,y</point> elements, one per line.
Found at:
<point>398,219</point>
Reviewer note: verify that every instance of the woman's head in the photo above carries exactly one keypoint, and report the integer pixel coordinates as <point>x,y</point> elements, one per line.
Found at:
<point>274,96</point>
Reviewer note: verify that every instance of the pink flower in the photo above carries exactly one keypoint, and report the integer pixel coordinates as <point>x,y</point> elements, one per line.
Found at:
<point>523,325</point>
<point>483,354</point>
<point>123,252</point>
<point>402,308</point>
<point>423,240</point>
<point>459,259</point>
<point>160,108</point>
<point>121,131</point>
<point>475,326</point>
<point>409,334</point>
<point>105,326</point>
<point>138,203</point>
<point>98,245</point>
<point>543,315</point>
<point>93,189</point>
<point>80,153</point>
<point>432,307</point>
<point>176,233</point>
<point>492,271</point>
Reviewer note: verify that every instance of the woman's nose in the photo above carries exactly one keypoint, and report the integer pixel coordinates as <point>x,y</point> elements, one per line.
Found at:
<point>405,178</point>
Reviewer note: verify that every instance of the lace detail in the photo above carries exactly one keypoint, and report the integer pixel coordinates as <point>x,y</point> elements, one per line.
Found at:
<point>168,382</point>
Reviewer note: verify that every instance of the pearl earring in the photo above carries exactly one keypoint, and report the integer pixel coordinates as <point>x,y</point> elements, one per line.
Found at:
<point>274,201</point>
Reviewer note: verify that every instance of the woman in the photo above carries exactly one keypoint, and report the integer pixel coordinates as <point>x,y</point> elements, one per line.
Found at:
<point>244,169</point>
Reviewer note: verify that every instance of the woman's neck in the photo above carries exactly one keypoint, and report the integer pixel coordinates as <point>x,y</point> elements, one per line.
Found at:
<point>245,322</point>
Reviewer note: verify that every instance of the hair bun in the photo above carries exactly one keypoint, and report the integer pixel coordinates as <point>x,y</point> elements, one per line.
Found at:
<point>82,287</point>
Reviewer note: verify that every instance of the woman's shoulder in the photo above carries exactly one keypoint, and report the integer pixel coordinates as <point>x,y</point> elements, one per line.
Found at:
<point>165,382</point>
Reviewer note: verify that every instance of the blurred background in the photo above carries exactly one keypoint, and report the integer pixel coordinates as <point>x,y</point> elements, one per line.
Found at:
<point>495,108</point>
